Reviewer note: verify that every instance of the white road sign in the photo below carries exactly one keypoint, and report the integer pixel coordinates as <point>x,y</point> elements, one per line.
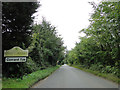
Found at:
<point>15,59</point>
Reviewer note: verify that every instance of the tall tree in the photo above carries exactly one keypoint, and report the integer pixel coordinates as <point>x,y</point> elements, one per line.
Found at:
<point>48,46</point>
<point>16,29</point>
<point>100,48</point>
<point>17,22</point>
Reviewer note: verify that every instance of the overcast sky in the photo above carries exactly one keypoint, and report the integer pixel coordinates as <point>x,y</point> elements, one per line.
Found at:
<point>69,16</point>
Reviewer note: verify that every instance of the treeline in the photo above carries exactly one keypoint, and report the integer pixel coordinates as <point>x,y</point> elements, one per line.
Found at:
<point>99,50</point>
<point>42,40</point>
<point>46,47</point>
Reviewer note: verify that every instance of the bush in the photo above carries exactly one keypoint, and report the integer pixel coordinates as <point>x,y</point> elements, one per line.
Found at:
<point>30,66</point>
<point>96,67</point>
<point>109,69</point>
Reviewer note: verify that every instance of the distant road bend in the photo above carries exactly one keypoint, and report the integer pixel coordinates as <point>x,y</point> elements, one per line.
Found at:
<point>69,77</point>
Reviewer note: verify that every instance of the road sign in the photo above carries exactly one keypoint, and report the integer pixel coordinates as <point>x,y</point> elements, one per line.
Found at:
<point>16,54</point>
<point>15,59</point>
<point>16,51</point>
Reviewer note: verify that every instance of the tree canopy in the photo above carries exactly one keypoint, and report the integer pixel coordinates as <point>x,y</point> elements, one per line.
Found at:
<point>17,22</point>
<point>16,29</point>
<point>100,48</point>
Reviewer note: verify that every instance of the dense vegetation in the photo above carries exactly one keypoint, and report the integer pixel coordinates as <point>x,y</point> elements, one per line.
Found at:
<point>99,50</point>
<point>46,48</point>
<point>44,45</point>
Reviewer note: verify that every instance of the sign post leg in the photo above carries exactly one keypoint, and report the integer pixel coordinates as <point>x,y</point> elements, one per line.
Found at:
<point>21,72</point>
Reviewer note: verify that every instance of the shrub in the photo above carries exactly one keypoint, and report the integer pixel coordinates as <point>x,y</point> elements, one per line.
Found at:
<point>108,69</point>
<point>95,67</point>
<point>30,66</point>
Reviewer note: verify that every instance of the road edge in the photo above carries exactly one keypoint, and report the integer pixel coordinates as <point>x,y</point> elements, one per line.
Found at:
<point>85,70</point>
<point>42,79</point>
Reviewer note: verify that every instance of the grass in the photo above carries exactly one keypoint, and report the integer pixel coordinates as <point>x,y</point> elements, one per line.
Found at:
<point>0,84</point>
<point>28,80</point>
<point>97,73</point>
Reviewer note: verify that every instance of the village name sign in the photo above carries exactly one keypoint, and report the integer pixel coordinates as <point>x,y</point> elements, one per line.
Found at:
<point>16,54</point>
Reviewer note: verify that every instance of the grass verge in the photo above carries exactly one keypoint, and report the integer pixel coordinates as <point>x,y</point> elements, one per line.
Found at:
<point>97,73</point>
<point>28,80</point>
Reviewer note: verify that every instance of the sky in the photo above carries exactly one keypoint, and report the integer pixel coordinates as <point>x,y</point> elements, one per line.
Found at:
<point>68,16</point>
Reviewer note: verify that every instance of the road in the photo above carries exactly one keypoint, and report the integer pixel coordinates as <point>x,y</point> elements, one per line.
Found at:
<point>69,77</point>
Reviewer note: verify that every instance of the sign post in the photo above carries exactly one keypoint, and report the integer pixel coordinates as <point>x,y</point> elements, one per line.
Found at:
<point>16,54</point>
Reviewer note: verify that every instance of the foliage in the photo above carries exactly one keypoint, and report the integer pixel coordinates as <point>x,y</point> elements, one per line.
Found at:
<point>44,45</point>
<point>16,30</point>
<point>100,48</point>
<point>16,23</point>
<point>47,46</point>
<point>30,66</point>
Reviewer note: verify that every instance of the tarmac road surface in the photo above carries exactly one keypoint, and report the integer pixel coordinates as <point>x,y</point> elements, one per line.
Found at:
<point>69,77</point>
